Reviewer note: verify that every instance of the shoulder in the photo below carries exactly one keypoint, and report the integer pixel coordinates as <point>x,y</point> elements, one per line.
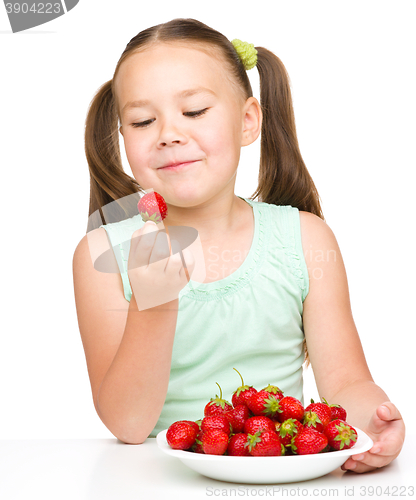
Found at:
<point>318,239</point>
<point>90,247</point>
<point>314,229</point>
<point>311,223</point>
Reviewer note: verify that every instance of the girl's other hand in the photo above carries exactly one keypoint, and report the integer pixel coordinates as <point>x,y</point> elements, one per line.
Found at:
<point>156,277</point>
<point>387,430</point>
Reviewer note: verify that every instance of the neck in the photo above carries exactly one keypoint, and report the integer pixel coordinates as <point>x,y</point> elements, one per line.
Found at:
<point>213,219</point>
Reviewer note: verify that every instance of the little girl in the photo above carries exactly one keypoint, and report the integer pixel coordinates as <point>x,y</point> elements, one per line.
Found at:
<point>181,98</point>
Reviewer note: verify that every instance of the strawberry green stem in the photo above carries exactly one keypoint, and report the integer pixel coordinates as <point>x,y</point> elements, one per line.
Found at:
<point>242,381</point>
<point>220,389</point>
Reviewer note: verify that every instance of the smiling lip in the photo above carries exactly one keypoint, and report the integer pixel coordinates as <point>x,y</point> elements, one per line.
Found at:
<point>177,166</point>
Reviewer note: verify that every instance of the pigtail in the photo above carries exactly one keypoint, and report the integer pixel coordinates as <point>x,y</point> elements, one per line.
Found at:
<point>108,181</point>
<point>283,176</point>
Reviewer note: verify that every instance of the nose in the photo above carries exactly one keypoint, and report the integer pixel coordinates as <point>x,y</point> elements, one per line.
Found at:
<point>171,134</point>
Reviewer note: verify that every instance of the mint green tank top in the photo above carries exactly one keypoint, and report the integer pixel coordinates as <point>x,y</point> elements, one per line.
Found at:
<point>250,320</point>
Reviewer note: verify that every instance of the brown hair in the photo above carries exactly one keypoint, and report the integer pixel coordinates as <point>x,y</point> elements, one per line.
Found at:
<point>283,176</point>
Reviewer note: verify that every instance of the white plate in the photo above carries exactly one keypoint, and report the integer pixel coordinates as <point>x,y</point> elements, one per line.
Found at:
<point>266,470</point>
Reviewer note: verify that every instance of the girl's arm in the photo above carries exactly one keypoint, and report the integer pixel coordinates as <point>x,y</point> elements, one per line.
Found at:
<point>128,352</point>
<point>337,358</point>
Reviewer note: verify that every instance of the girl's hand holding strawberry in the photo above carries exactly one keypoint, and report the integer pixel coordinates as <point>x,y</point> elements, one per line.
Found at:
<point>156,276</point>
<point>387,430</point>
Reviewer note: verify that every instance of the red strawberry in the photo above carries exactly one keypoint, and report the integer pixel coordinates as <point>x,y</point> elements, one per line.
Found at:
<point>195,425</point>
<point>322,410</point>
<point>181,435</point>
<point>217,405</point>
<point>152,207</point>
<point>341,436</point>
<point>216,422</point>
<point>311,419</point>
<point>255,424</point>
<point>263,403</point>
<point>237,446</point>
<point>317,415</point>
<point>290,408</point>
<point>265,444</point>
<point>308,441</point>
<point>197,446</point>
<point>243,393</point>
<point>237,417</point>
<point>287,430</point>
<point>273,389</point>
<point>337,411</point>
<point>214,442</point>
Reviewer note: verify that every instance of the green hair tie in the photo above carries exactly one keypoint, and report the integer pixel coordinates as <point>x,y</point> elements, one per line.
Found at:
<point>246,52</point>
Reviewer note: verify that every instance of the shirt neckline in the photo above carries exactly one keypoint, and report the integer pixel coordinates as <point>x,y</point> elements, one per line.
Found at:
<point>237,279</point>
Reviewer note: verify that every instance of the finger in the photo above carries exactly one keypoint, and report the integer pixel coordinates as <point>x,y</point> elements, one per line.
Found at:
<point>189,263</point>
<point>372,459</point>
<point>189,259</point>
<point>175,269</point>
<point>175,263</point>
<point>388,411</point>
<point>359,468</point>
<point>139,238</point>
<point>160,250</point>
<point>367,461</point>
<point>387,447</point>
<point>141,245</point>
<point>354,466</point>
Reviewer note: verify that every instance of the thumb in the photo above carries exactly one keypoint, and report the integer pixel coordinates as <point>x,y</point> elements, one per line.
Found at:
<point>388,411</point>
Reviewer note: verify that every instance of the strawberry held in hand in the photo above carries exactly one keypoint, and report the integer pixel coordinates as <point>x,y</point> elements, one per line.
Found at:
<point>152,207</point>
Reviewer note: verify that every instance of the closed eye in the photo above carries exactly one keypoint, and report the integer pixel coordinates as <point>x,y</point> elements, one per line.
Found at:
<point>142,124</point>
<point>190,114</point>
<point>196,113</point>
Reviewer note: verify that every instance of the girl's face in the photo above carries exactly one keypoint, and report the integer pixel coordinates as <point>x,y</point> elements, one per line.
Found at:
<point>178,106</point>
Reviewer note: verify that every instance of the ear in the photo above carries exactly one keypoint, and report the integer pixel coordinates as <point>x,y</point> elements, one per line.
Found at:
<point>252,120</point>
<point>121,131</point>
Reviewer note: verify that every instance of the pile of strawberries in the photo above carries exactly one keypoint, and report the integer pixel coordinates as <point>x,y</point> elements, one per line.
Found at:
<point>263,423</point>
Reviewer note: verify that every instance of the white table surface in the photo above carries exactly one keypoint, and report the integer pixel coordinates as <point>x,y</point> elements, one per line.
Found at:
<point>101,469</point>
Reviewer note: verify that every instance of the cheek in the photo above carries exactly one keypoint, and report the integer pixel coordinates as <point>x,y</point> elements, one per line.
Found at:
<point>131,146</point>
<point>222,140</point>
<point>135,152</point>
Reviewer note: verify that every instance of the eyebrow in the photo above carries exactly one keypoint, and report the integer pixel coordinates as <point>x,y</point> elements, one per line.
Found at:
<point>183,94</point>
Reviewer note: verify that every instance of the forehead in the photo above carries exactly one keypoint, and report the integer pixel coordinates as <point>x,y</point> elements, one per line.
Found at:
<point>169,69</point>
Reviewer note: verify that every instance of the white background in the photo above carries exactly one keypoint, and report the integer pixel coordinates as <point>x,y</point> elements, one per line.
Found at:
<point>351,66</point>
